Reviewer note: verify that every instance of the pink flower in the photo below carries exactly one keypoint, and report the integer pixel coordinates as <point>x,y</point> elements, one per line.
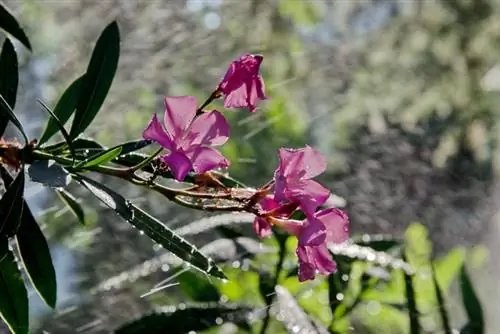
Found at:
<point>188,138</point>
<point>261,225</point>
<point>292,178</point>
<point>243,85</point>
<point>326,226</point>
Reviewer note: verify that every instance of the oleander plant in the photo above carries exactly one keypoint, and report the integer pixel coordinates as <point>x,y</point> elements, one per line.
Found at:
<point>356,281</point>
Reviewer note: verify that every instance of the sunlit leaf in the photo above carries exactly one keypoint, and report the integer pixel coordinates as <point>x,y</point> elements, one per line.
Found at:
<point>11,206</point>
<point>187,319</point>
<point>471,304</point>
<point>9,23</point>
<point>9,79</point>
<point>97,79</point>
<point>72,204</point>
<point>152,227</point>
<point>63,110</point>
<point>443,313</point>
<point>14,301</point>
<point>412,305</point>
<point>35,254</point>
<point>100,158</point>
<point>49,173</point>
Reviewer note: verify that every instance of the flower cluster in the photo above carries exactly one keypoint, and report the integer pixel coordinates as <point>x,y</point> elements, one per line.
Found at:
<point>190,135</point>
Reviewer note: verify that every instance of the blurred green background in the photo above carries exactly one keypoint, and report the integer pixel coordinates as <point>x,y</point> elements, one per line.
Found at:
<point>400,95</point>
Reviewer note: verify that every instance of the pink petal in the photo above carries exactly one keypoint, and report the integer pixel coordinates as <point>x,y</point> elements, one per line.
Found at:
<point>262,227</point>
<point>179,164</point>
<point>310,194</point>
<point>260,88</point>
<point>303,163</point>
<point>154,131</point>
<point>306,267</point>
<point>322,259</point>
<point>210,128</point>
<point>207,158</point>
<point>179,113</point>
<point>336,223</point>
<point>279,186</point>
<point>236,98</point>
<point>313,233</point>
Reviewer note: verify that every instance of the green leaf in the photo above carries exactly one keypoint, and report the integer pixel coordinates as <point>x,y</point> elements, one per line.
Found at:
<point>445,320</point>
<point>4,248</point>
<point>97,79</point>
<point>152,227</point>
<point>472,305</point>
<point>63,110</point>
<point>78,144</point>
<point>11,206</point>
<point>9,79</point>
<point>198,287</point>
<point>49,173</point>
<point>14,308</point>
<point>11,26</point>
<point>8,112</point>
<point>36,258</point>
<point>186,319</point>
<point>100,158</point>
<point>73,205</point>
<point>378,242</point>
<point>411,303</point>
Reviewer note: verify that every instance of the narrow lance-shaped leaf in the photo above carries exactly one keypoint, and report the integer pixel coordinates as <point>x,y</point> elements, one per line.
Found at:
<point>152,227</point>
<point>7,111</point>
<point>14,307</point>
<point>472,305</point>
<point>97,79</point>
<point>9,79</point>
<point>73,205</point>
<point>4,248</point>
<point>63,110</point>
<point>36,257</point>
<point>49,173</point>
<point>100,158</point>
<point>11,26</point>
<point>411,303</point>
<point>11,206</point>
<point>445,320</point>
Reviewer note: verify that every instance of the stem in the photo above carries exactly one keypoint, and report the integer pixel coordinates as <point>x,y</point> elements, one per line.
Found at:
<point>212,97</point>
<point>145,161</point>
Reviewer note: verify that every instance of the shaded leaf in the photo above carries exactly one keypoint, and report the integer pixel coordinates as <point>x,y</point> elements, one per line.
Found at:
<point>412,305</point>
<point>9,23</point>
<point>445,320</point>
<point>190,318</point>
<point>63,110</point>
<point>100,158</point>
<point>49,173</point>
<point>14,301</point>
<point>11,206</point>
<point>9,79</point>
<point>97,79</point>
<point>378,242</point>
<point>37,261</point>
<point>152,227</point>
<point>472,305</point>
<point>7,111</point>
<point>72,204</point>
<point>209,223</point>
<point>80,144</point>
<point>4,247</point>
<point>198,287</point>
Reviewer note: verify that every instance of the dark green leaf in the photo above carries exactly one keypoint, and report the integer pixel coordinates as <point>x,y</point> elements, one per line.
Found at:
<point>71,202</point>
<point>4,247</point>
<point>184,320</point>
<point>152,227</point>
<point>9,79</point>
<point>97,79</point>
<point>266,286</point>
<point>411,303</point>
<point>198,287</point>
<point>80,144</point>
<point>11,206</point>
<point>36,257</point>
<point>11,26</point>
<point>100,158</point>
<point>8,112</point>
<point>472,305</point>
<point>134,145</point>
<point>14,302</point>
<point>63,110</point>
<point>49,173</point>
<point>445,320</point>
<point>378,242</point>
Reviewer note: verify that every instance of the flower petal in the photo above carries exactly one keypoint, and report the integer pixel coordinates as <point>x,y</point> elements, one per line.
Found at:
<point>313,234</point>
<point>154,131</point>
<point>306,267</point>
<point>179,113</point>
<point>262,227</point>
<point>322,259</point>
<point>210,128</point>
<point>303,163</point>
<point>179,164</point>
<point>310,194</point>
<point>336,223</point>
<point>236,98</point>
<point>207,158</point>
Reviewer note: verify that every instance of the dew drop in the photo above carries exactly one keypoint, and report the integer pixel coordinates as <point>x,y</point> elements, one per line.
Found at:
<point>345,277</point>
<point>165,267</point>
<point>235,264</point>
<point>182,306</point>
<point>339,296</point>
<point>219,321</point>
<point>141,232</point>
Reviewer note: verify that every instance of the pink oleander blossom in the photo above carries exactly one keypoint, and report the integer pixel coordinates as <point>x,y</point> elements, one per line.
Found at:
<point>261,225</point>
<point>293,178</point>
<point>189,139</point>
<point>243,85</point>
<point>314,233</point>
